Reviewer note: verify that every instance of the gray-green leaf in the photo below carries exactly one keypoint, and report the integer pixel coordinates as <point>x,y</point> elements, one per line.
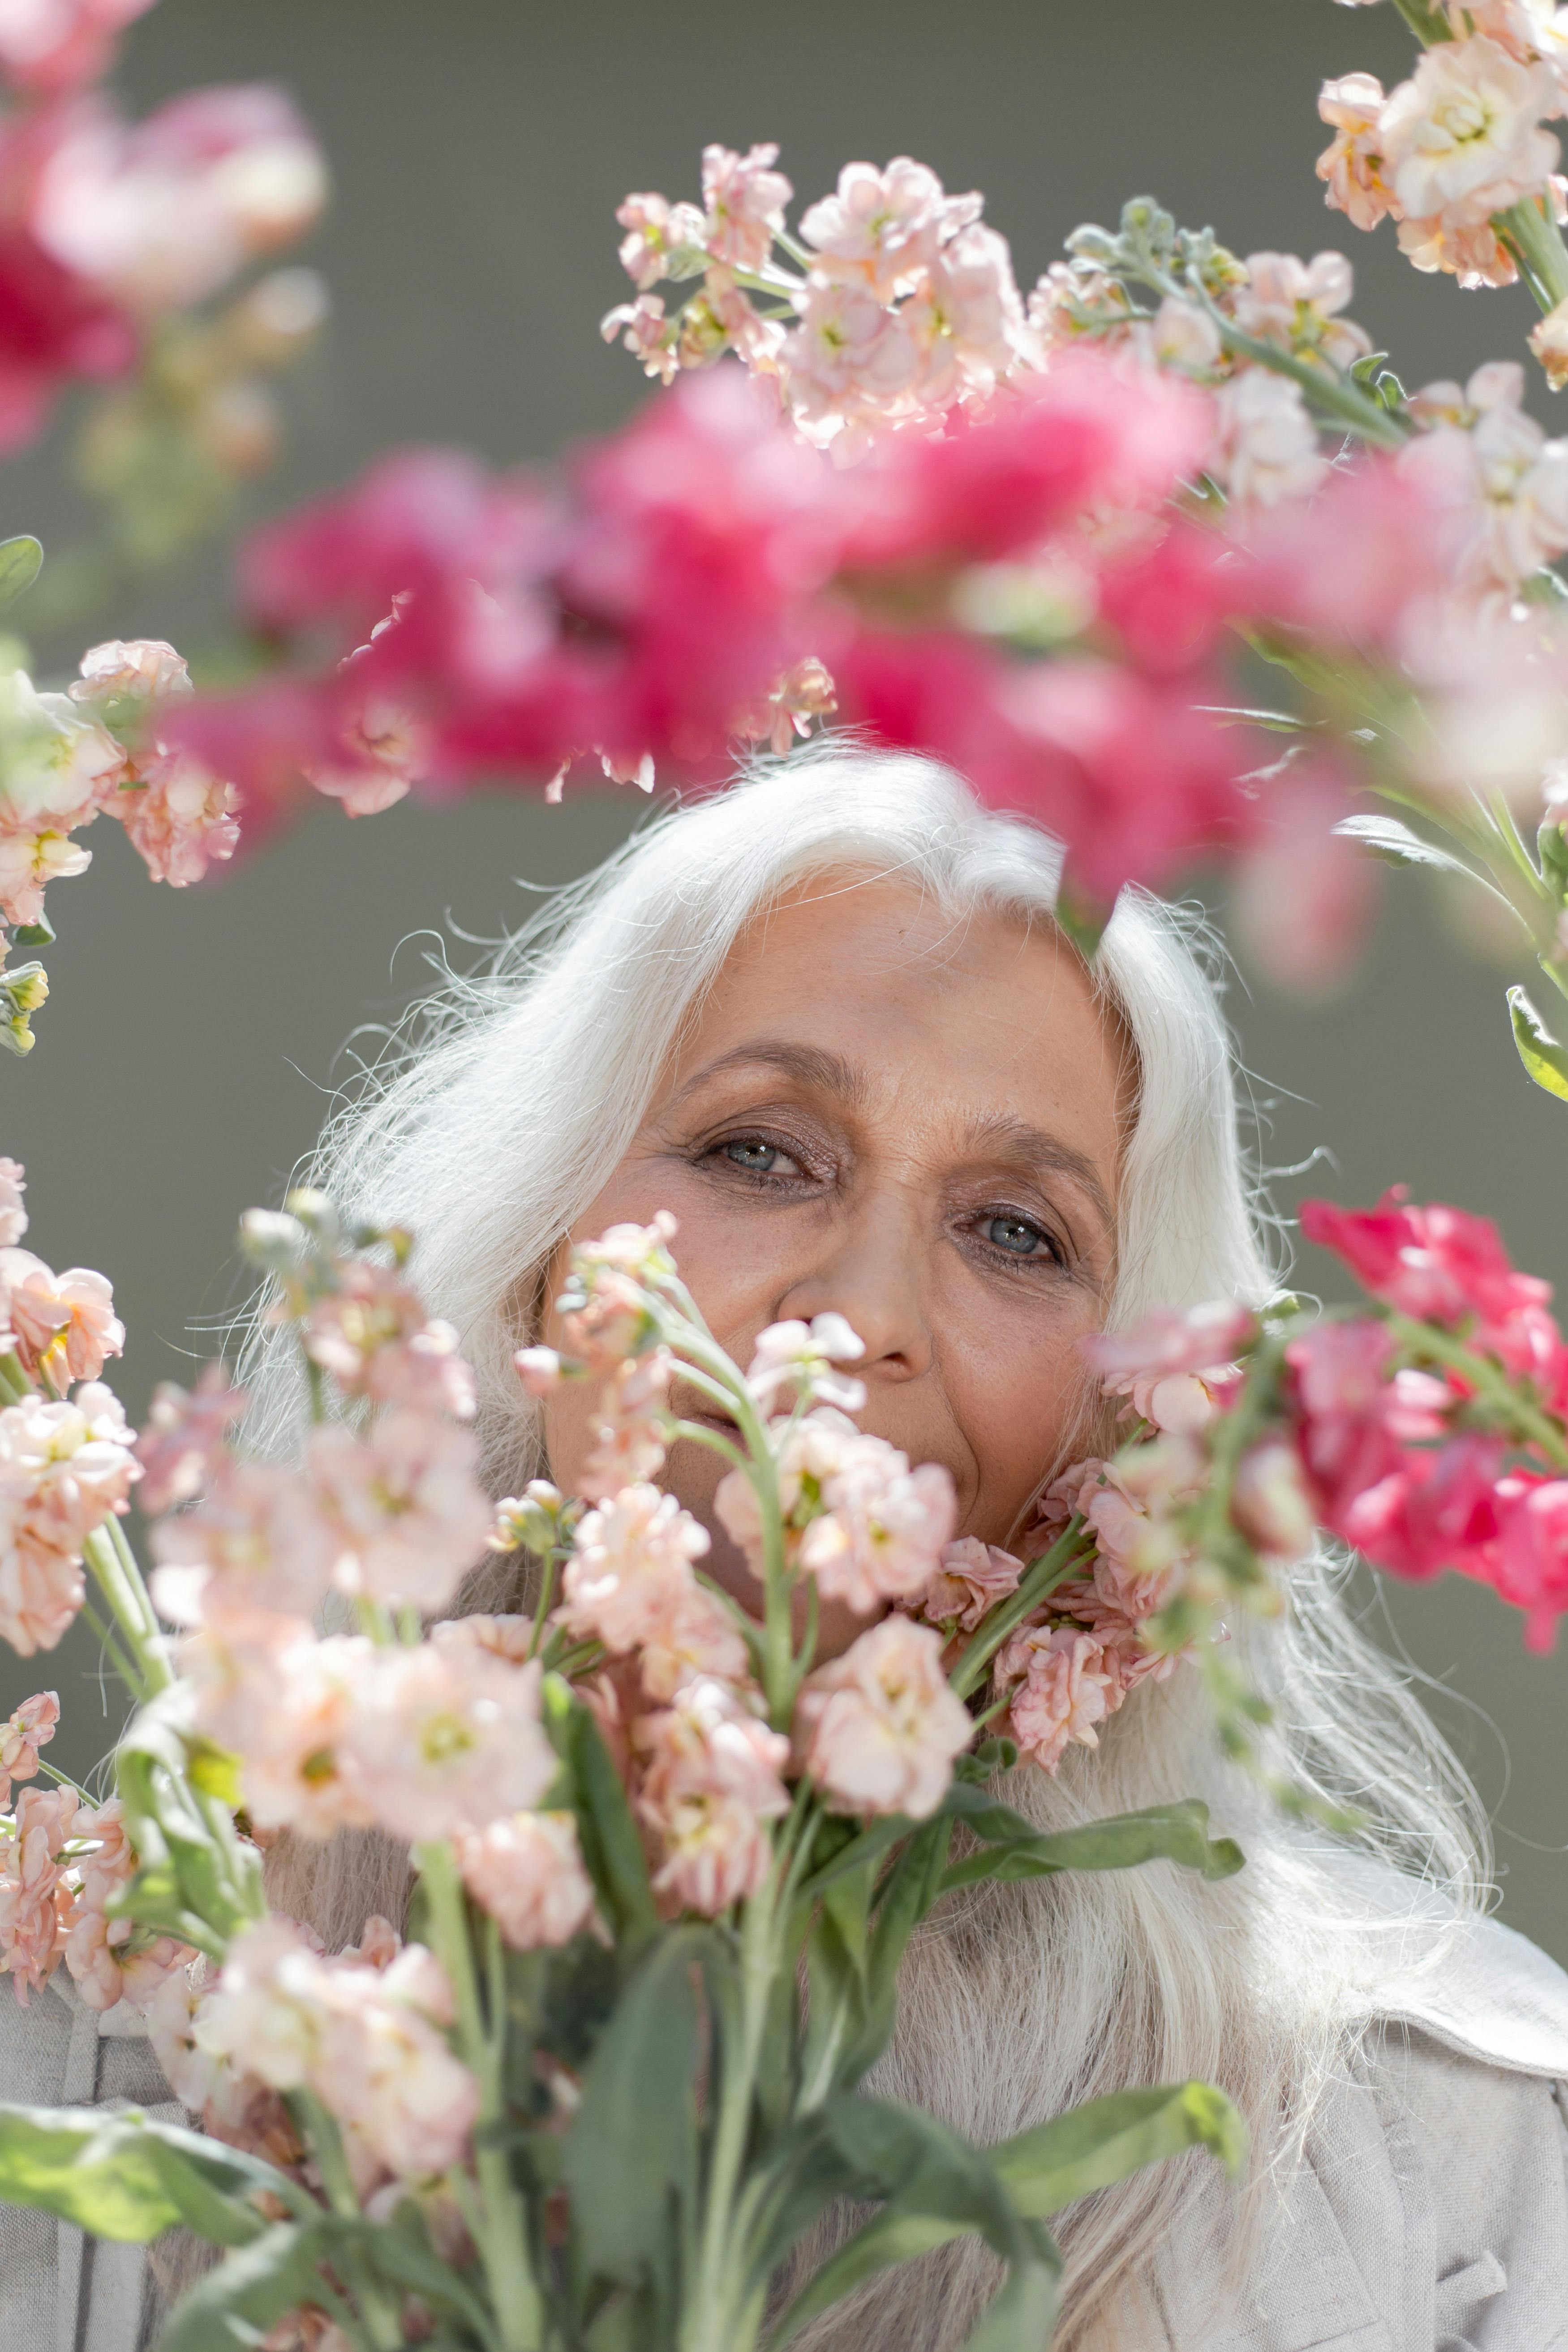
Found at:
<point>21,561</point>
<point>1545,1060</point>
<point>1177,1834</point>
<point>1102,2142</point>
<point>127,2177</point>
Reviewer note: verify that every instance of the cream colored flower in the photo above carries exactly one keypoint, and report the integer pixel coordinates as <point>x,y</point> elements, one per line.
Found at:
<point>1462,139</point>
<point>1352,165</point>
<point>1296,303</point>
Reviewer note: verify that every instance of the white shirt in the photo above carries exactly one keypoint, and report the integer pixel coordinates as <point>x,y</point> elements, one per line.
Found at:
<point>1430,2212</point>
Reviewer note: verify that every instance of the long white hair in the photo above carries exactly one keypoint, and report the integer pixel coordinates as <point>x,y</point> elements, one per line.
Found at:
<point>503,1111</point>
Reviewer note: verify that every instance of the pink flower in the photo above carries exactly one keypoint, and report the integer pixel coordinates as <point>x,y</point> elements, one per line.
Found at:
<point>973,1576</point>
<point>13,1215</point>
<point>1352,164</point>
<point>53,46</point>
<point>849,356</point>
<point>185,1436</point>
<point>405,1503</point>
<point>1303,895</point>
<point>30,1728</point>
<point>41,1590</point>
<point>1272,1502</point>
<point>527,1871</point>
<point>884,227</point>
<point>1172,1362</point>
<point>878,1728</point>
<point>170,2029</point>
<point>64,1468</point>
<point>745,198</point>
<point>258,1539</point>
<point>1133,1509</point>
<point>628,1425</point>
<point>1499,485</point>
<point>371,1332</point>
<point>540,1369</point>
<point>657,231</point>
<point>164,213</point>
<point>1296,304</point>
<point>1266,447</point>
<point>652,339</point>
<point>285,1703</point>
<point>1063,1686</point>
<point>883,1530</point>
<point>632,1556</point>
<point>1527,1559</point>
<point>64,1325</point>
<point>33,1896</point>
<point>800,1356</point>
<point>712,1782</point>
<point>1462,139</point>
<point>444,1738</point>
<point>966,319</point>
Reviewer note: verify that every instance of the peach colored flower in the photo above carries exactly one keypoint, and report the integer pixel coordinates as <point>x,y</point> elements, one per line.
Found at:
<point>286,1705</point>
<point>848,357</point>
<point>31,1726</point>
<point>442,1739</point>
<point>170,2029</point>
<point>1172,1341</point>
<point>1462,139</point>
<point>1504,484</point>
<point>882,1533</point>
<point>966,319</point>
<point>41,1590</point>
<point>1548,341</point>
<point>801,1357</point>
<point>405,1503</point>
<point>1352,164</point>
<point>111,1962</point>
<point>973,1576</point>
<point>509,1638</point>
<point>1296,304</point>
<point>1475,256</point>
<point>884,227</point>
<point>711,1783</point>
<point>1063,1686</point>
<point>878,1728</point>
<point>540,1369</point>
<point>693,1635</point>
<point>178,817</point>
<point>13,1215</point>
<point>627,1427</point>
<point>258,1539</point>
<point>652,340</point>
<point>129,671</point>
<point>185,1435</point>
<point>65,1467</point>
<point>633,1556</point>
<point>657,231</point>
<point>61,768</point>
<point>527,1871</point>
<point>34,1897</point>
<point>745,198</point>
<point>372,1333</point>
<point>803,693</point>
<point>64,1325</point>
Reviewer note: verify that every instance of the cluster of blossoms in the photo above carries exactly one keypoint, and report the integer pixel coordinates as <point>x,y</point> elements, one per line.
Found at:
<point>112,229</point>
<point>66,1466</point>
<point>101,748</point>
<point>62,1863</point>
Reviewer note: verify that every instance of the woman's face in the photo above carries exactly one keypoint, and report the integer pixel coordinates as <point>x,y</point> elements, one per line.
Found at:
<point>912,1122</point>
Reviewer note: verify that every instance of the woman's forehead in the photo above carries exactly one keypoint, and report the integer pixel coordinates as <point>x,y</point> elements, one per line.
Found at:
<point>874,990</point>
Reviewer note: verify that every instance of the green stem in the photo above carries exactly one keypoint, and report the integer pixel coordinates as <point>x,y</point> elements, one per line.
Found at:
<point>710,2324</point>
<point>1038,1581</point>
<point>1491,1385</point>
<point>379,2304</point>
<point>504,2238</point>
<point>15,1385</point>
<point>129,1605</point>
<point>1537,244</point>
<point>1427,24</point>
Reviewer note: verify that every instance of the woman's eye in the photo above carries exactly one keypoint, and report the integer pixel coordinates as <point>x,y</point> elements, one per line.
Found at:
<point>1018,1237</point>
<point>758,1158</point>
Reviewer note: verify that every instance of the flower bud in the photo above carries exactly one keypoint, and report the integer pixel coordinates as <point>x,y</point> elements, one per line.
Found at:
<point>273,1241</point>
<point>22,991</point>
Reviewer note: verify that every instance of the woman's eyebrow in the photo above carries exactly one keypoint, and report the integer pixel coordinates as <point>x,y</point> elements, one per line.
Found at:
<point>809,1065</point>
<point>1031,1147</point>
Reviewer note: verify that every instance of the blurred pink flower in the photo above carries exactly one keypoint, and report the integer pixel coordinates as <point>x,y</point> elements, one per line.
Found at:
<point>627,1425</point>
<point>372,1333</point>
<point>162,213</point>
<point>1490,469</point>
<point>1172,1362</point>
<point>33,1896</point>
<point>178,816</point>
<point>527,1871</point>
<point>1462,139</point>
<point>1273,1504</point>
<point>632,1558</point>
<point>1352,164</point>
<point>1266,448</point>
<point>185,1435</point>
<point>883,228</point>
<point>711,1783</point>
<point>29,1729</point>
<point>652,340</point>
<point>745,198</point>
<point>52,46</point>
<point>883,1529</point>
<point>443,1738</point>
<point>41,1590</point>
<point>973,1576</point>
<point>170,2029</point>
<point>285,1705</point>
<point>405,1503</point>
<point>848,357</point>
<point>1297,303</point>
<point>257,1539</point>
<point>877,1728</point>
<point>1302,895</point>
<point>13,1215</point>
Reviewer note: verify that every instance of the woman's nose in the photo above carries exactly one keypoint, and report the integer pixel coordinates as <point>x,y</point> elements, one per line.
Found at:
<point>872,1270</point>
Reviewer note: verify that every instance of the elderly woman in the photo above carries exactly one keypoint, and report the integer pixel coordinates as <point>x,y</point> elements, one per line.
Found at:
<point>828,1019</point>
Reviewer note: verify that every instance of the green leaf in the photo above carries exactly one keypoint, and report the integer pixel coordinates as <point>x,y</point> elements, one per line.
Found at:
<point>1177,1834</point>
<point>21,561</point>
<point>632,2149</point>
<point>127,2177</point>
<point>1387,838</point>
<point>1104,2140</point>
<point>612,1846</point>
<point>1545,1060</point>
<point>235,2304</point>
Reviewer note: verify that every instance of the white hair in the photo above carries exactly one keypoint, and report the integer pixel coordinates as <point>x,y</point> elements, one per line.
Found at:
<point>504,1110</point>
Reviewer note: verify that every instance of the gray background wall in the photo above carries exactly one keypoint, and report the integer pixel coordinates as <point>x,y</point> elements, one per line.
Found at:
<point>479,148</point>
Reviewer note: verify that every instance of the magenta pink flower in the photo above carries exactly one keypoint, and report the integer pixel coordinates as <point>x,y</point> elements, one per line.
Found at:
<point>877,1728</point>
<point>185,1437</point>
<point>31,1726</point>
<point>973,1576</point>
<point>527,1871</point>
<point>51,46</point>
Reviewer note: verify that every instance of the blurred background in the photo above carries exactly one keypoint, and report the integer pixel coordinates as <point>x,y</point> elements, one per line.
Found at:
<point>194,1039</point>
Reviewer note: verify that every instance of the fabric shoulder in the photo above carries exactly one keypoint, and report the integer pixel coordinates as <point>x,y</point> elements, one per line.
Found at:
<point>1485,1992</point>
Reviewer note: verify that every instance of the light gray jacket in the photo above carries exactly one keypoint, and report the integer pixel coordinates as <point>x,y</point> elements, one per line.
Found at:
<point>1430,2213</point>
